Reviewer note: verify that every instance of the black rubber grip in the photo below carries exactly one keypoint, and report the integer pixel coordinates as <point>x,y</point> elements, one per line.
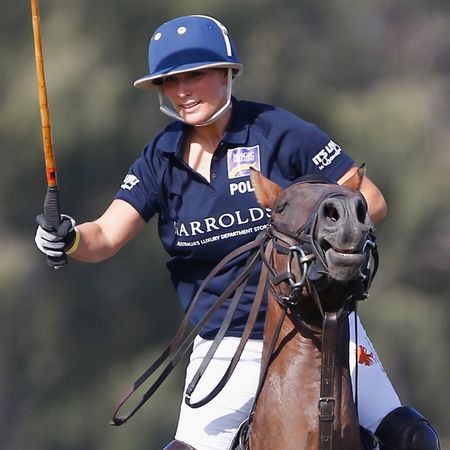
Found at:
<point>52,221</point>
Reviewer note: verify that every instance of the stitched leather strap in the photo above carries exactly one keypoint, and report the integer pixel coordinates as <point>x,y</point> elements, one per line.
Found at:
<point>327,399</point>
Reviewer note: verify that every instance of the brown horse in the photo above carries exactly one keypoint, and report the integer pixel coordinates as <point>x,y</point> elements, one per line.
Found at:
<point>319,267</point>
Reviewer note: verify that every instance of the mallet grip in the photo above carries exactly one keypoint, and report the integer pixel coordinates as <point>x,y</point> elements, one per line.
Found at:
<point>52,220</point>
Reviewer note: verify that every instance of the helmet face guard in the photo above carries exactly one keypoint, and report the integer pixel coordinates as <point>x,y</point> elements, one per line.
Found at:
<point>186,44</point>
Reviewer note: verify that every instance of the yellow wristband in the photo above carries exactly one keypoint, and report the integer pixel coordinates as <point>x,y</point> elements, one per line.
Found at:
<point>75,244</point>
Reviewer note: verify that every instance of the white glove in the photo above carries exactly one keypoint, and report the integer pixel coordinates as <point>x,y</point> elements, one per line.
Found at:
<point>56,242</point>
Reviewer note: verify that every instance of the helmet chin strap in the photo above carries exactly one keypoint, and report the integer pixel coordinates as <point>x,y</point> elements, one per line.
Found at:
<point>172,113</point>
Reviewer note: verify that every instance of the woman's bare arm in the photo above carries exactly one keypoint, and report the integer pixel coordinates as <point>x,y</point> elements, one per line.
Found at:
<point>105,236</point>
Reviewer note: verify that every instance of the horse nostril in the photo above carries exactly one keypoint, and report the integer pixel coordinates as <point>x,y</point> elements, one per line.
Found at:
<point>330,212</point>
<point>361,211</point>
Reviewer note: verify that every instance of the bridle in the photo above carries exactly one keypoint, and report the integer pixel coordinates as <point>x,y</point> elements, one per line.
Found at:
<point>303,252</point>
<point>302,249</point>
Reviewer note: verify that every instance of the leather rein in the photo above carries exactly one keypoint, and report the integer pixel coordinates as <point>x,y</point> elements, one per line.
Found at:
<point>183,339</point>
<point>302,251</point>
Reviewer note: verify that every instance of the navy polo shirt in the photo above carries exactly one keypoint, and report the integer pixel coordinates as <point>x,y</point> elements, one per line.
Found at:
<point>200,222</point>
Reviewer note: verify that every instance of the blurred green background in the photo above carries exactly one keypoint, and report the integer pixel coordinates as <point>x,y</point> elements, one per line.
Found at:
<point>372,74</point>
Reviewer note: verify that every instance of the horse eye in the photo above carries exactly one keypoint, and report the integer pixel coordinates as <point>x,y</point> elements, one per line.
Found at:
<point>280,208</point>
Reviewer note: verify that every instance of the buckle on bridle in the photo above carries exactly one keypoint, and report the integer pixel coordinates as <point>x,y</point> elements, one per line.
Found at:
<point>369,243</point>
<point>326,409</point>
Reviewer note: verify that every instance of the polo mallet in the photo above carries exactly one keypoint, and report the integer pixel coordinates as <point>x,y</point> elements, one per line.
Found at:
<point>51,203</point>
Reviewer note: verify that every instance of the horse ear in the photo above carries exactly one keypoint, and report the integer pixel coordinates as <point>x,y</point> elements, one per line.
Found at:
<point>266,191</point>
<point>355,181</point>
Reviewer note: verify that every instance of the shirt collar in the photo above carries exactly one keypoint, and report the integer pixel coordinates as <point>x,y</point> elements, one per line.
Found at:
<point>238,128</point>
<point>236,132</point>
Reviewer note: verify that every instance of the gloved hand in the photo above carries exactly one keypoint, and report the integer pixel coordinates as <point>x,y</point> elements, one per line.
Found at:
<point>57,242</point>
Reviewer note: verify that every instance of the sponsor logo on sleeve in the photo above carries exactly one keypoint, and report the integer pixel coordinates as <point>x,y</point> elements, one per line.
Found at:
<point>129,182</point>
<point>326,156</point>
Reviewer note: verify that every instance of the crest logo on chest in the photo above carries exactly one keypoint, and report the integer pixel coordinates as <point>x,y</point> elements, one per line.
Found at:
<point>240,159</point>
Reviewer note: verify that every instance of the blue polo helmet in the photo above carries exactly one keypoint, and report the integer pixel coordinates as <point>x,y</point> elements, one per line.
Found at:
<point>188,43</point>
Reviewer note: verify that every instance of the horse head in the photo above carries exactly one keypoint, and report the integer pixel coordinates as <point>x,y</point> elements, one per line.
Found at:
<point>323,238</point>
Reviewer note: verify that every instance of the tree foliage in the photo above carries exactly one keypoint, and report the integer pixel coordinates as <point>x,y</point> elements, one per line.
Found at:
<point>373,75</point>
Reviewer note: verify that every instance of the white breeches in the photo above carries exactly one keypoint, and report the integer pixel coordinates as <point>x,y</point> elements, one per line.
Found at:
<point>214,425</point>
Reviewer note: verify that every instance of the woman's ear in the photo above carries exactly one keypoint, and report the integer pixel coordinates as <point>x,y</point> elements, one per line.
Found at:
<point>225,75</point>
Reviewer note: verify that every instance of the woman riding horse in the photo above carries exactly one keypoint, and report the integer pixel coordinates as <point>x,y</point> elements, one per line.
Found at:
<point>195,175</point>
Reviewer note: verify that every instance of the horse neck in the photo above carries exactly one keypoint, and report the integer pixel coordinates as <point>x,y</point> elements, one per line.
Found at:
<point>286,413</point>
